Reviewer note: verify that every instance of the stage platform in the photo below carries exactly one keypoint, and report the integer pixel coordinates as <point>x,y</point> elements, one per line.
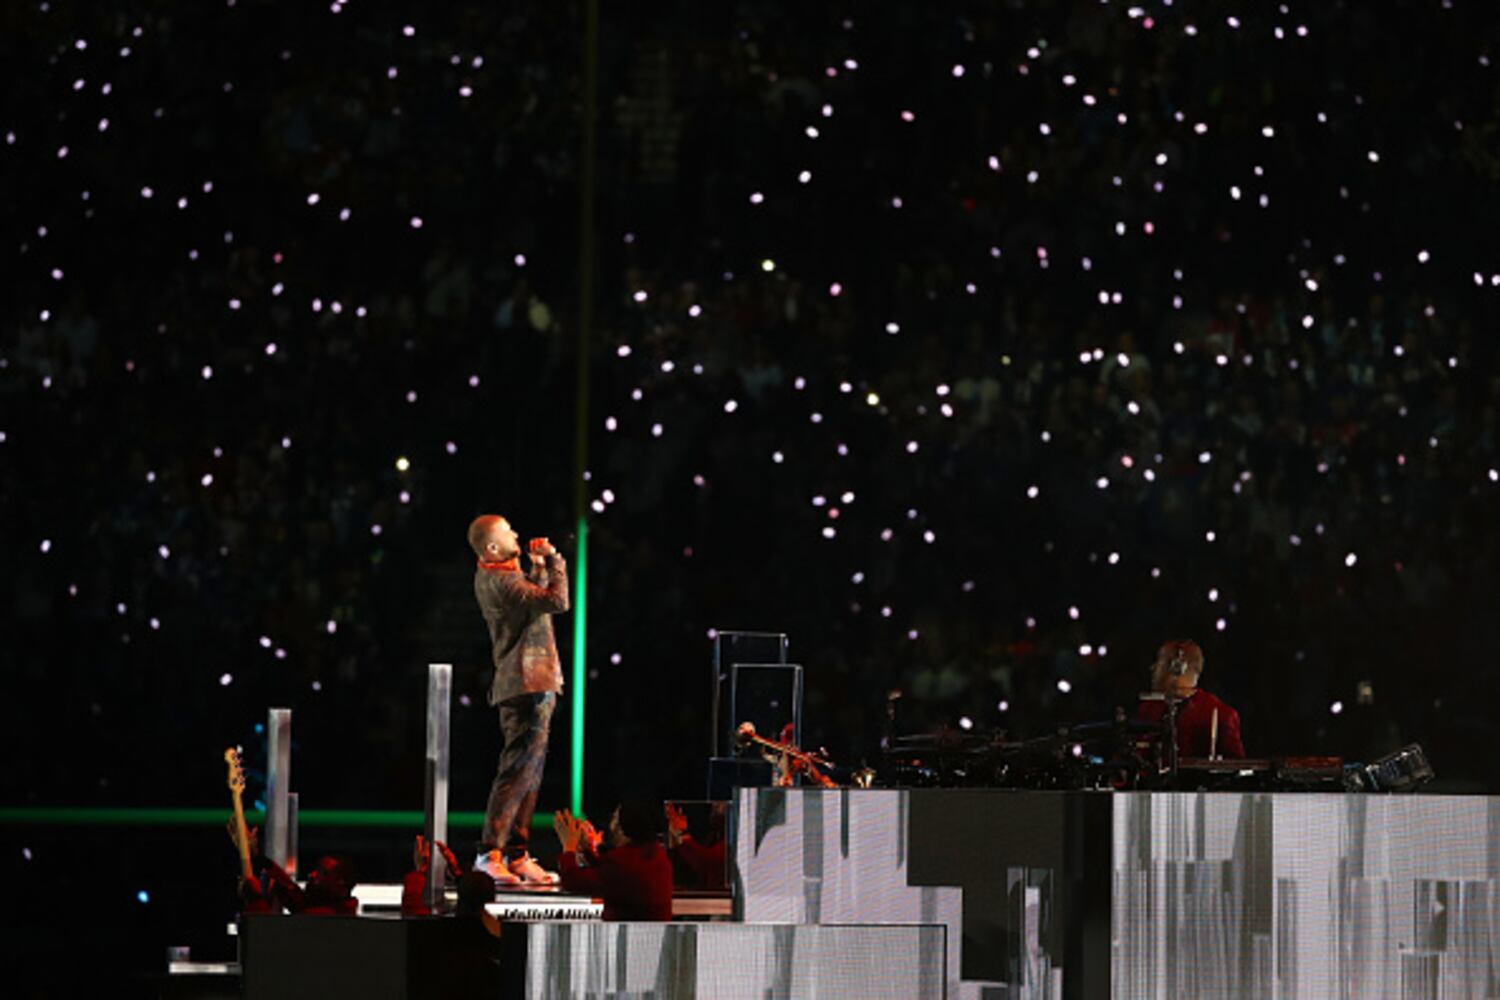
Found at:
<point>1143,895</point>
<point>375,958</point>
<point>985,894</point>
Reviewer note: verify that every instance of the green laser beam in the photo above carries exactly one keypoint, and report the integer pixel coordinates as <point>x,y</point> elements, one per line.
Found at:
<point>580,674</point>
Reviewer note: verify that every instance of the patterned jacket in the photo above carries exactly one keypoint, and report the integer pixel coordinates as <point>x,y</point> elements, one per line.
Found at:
<point>518,608</point>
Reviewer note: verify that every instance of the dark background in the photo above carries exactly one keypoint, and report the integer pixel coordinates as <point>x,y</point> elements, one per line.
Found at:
<point>1295,464</point>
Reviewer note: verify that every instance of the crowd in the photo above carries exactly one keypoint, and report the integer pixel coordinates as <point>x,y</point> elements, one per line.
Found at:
<point>979,349</point>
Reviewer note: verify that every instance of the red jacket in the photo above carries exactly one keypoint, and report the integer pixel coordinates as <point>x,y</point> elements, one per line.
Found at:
<point>1194,723</point>
<point>634,880</point>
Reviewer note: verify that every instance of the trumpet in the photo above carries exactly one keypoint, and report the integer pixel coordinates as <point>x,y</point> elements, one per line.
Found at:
<point>797,759</point>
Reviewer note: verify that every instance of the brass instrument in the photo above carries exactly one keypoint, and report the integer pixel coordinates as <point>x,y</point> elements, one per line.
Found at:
<point>790,759</point>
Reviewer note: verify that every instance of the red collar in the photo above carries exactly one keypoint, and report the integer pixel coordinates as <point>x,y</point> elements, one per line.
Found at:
<point>511,565</point>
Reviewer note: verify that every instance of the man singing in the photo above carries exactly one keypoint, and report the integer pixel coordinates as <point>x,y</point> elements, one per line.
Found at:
<point>518,608</point>
<point>1206,726</point>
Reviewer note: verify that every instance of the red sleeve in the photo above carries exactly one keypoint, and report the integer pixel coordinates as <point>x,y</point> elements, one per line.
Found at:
<point>576,878</point>
<point>413,889</point>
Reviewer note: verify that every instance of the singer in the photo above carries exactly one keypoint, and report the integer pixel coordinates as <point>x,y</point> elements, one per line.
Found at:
<point>1206,726</point>
<point>518,608</point>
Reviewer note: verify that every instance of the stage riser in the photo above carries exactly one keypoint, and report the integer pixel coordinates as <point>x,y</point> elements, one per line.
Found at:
<point>734,961</point>
<point>1146,895</point>
<point>367,958</point>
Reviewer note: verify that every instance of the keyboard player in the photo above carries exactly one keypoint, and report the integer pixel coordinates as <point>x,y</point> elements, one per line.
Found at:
<point>1206,726</point>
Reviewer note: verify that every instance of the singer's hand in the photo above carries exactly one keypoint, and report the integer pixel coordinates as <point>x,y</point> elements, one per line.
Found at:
<point>540,549</point>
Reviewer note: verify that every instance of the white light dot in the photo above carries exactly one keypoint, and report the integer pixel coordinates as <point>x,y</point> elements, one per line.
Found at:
<point>1350,560</point>
<point>416,222</point>
<point>1336,708</point>
<point>46,545</point>
<point>757,198</point>
<point>225,680</point>
<point>1064,685</point>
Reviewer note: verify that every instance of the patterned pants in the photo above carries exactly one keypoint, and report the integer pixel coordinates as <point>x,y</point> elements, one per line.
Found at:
<point>525,722</point>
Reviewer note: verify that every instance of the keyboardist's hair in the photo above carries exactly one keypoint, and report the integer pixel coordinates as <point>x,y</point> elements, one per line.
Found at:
<point>642,820</point>
<point>1188,651</point>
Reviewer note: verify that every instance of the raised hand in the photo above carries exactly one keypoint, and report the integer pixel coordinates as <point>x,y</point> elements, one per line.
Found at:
<point>569,830</point>
<point>454,868</point>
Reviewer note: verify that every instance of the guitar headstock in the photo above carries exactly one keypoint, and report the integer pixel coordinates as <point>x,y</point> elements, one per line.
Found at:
<point>236,770</point>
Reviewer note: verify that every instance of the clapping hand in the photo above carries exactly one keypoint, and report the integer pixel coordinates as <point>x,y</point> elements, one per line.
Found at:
<point>455,870</point>
<point>592,838</point>
<point>569,830</point>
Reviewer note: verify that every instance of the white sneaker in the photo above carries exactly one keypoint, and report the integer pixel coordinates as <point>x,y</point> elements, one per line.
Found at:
<point>529,871</point>
<point>492,863</point>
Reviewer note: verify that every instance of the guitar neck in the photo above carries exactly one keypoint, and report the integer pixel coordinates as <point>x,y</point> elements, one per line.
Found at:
<point>242,835</point>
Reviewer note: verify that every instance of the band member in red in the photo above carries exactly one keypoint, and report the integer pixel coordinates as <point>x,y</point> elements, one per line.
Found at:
<point>633,877</point>
<point>518,608</point>
<point>1206,726</point>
